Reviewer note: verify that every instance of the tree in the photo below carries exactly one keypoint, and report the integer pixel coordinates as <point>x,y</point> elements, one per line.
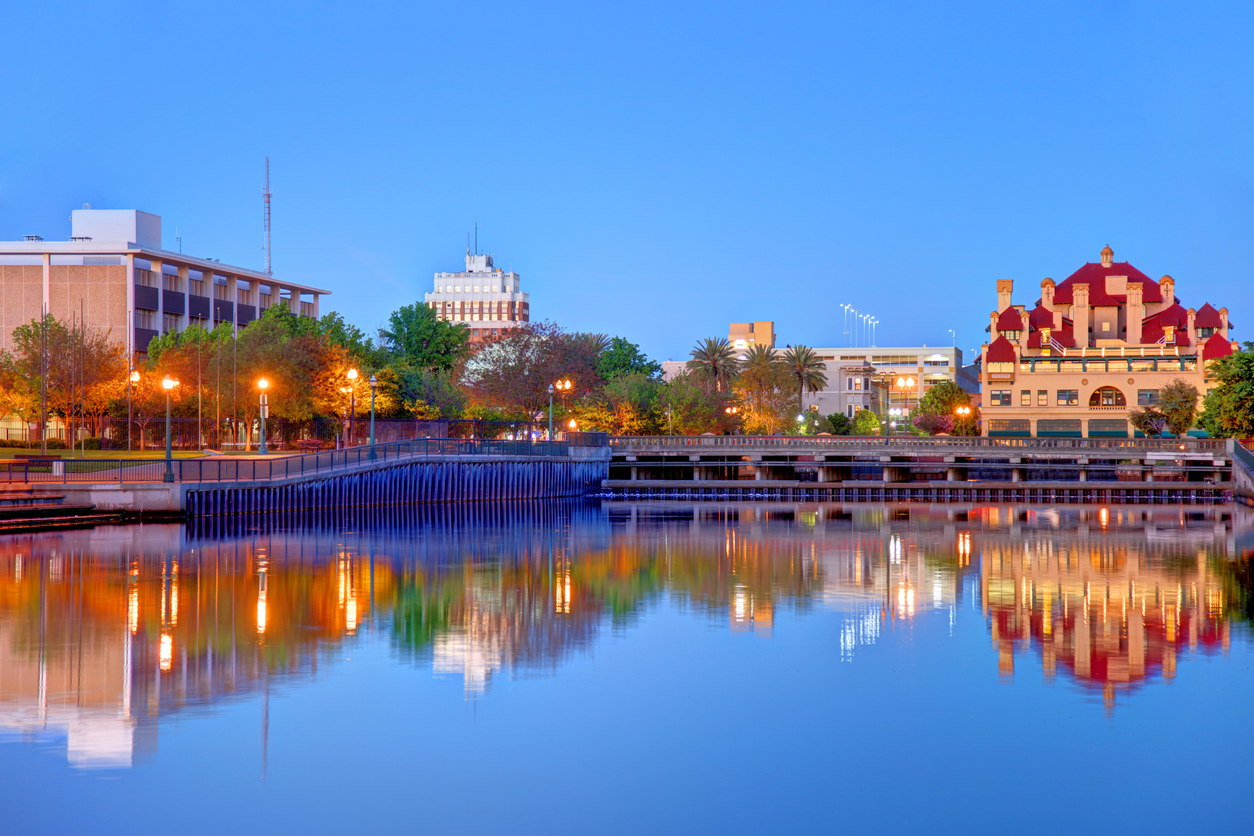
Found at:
<point>627,405</point>
<point>621,357</point>
<point>690,404</point>
<point>839,424</point>
<point>429,394</point>
<point>937,411</point>
<point>1149,421</point>
<point>806,368</point>
<point>715,359</point>
<point>1177,401</point>
<point>865,422</point>
<point>416,334</point>
<point>1229,409</point>
<point>514,370</point>
<point>765,390</point>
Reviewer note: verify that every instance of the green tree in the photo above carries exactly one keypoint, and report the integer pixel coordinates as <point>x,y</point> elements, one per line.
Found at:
<point>765,389</point>
<point>806,368</point>
<point>1177,401</point>
<point>415,334</point>
<point>690,404</point>
<point>839,424</point>
<point>626,405</point>
<point>1229,407</point>
<point>715,359</point>
<point>865,422</point>
<point>621,357</point>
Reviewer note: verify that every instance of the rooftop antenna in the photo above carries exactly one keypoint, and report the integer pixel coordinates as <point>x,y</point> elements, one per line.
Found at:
<point>476,237</point>
<point>265,196</point>
<point>467,243</point>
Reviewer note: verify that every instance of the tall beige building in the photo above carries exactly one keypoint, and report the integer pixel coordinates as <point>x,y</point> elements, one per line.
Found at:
<point>483,296</point>
<point>1091,349</point>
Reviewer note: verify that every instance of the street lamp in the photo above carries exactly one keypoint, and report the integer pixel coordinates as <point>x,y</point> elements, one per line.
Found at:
<point>963,412</point>
<point>168,385</point>
<point>352,400</point>
<point>905,384</point>
<point>374,381</point>
<point>573,425</point>
<point>134,378</point>
<point>551,387</point>
<point>264,403</point>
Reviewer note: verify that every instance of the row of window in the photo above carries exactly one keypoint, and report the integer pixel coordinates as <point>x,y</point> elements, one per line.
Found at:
<point>1093,365</point>
<point>1105,396</point>
<point>458,317</point>
<point>487,288</point>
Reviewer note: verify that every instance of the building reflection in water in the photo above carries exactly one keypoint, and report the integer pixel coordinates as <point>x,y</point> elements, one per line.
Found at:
<point>104,631</point>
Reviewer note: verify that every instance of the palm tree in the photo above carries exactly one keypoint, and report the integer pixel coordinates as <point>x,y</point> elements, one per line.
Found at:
<point>760,358</point>
<point>595,343</point>
<point>714,358</point>
<point>806,368</point>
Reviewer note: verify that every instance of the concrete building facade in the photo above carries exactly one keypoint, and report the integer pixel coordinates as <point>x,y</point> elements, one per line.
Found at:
<point>866,378</point>
<point>745,335</point>
<point>114,271</point>
<point>489,300</point>
<point>1091,349</point>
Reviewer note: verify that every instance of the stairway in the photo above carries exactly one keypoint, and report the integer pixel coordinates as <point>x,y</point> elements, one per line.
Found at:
<point>28,508</point>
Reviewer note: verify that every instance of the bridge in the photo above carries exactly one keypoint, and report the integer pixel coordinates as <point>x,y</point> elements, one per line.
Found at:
<point>418,470</point>
<point>929,468</point>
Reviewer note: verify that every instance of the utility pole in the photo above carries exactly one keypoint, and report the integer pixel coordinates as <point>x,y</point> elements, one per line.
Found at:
<point>265,198</point>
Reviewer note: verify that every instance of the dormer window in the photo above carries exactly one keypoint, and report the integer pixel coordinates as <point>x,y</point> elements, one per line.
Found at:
<point>1013,336</point>
<point>1169,334</point>
<point>1206,333</point>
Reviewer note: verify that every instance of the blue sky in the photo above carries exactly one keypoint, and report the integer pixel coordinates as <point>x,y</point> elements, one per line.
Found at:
<point>656,170</point>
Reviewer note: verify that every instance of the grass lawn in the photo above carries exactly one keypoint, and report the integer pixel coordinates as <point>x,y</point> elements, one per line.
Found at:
<point>114,455</point>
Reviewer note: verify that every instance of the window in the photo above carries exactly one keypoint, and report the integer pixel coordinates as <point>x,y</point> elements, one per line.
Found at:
<point>1202,333</point>
<point>1147,397</point>
<point>857,384</point>
<point>1025,397</point>
<point>1106,326</point>
<point>1001,397</point>
<point>1068,397</point>
<point>1013,336</point>
<point>1001,370</point>
<point>171,322</point>
<point>1107,396</point>
<point>439,288</point>
<point>476,288</point>
<point>849,384</point>
<point>143,319</point>
<point>1072,366</point>
<point>1042,397</point>
<point>849,412</point>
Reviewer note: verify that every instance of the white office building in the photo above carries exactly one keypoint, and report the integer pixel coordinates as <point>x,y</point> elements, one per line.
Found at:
<point>483,296</point>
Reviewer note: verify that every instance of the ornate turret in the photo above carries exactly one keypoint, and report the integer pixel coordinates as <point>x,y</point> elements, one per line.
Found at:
<point>1108,256</point>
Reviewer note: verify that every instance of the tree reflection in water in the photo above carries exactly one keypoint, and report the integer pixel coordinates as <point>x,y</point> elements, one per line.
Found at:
<point>103,631</point>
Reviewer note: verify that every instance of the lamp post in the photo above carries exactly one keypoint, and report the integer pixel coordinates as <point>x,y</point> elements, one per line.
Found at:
<point>963,412</point>
<point>374,381</point>
<point>134,378</point>
<point>352,400</point>
<point>551,387</point>
<point>264,403</point>
<point>168,385</point>
<point>905,384</point>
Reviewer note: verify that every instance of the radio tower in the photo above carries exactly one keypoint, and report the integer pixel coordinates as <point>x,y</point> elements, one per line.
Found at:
<point>265,196</point>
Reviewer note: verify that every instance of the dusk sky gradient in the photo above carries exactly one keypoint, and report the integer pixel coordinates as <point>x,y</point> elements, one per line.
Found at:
<point>656,170</point>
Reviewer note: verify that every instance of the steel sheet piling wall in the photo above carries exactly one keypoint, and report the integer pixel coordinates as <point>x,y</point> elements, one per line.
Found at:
<point>409,483</point>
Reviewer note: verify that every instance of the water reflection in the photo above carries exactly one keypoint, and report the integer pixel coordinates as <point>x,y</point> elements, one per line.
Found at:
<point>104,631</point>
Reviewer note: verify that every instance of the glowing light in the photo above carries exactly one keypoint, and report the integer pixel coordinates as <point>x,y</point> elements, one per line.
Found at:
<point>135,377</point>
<point>132,609</point>
<point>263,384</point>
<point>168,383</point>
<point>166,652</point>
<point>1104,516</point>
<point>352,374</point>
<point>573,424</point>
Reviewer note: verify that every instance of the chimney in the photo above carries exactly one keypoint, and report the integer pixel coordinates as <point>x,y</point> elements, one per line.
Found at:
<point>1223,317</point>
<point>1135,313</point>
<point>1004,287</point>
<point>1047,294</point>
<point>1080,313</point>
<point>1193,327</point>
<point>1108,256</point>
<point>992,326</point>
<point>1168,286</point>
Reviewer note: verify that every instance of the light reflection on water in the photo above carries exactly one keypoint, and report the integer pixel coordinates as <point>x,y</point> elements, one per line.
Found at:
<point>105,632</point>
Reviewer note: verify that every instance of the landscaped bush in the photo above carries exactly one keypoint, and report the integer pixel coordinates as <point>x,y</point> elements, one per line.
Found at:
<point>56,444</point>
<point>91,444</point>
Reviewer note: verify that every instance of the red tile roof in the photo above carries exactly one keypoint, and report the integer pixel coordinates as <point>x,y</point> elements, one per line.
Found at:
<point>1094,275</point>
<point>1064,336</point>
<point>1041,317</point>
<point>1001,350</point>
<point>1216,347</point>
<point>1152,332</point>
<point>1010,320</point>
<point>1208,317</point>
<point>1175,315</point>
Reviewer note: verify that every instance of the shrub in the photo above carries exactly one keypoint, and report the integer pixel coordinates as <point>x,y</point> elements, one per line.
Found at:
<point>91,444</point>
<point>56,444</point>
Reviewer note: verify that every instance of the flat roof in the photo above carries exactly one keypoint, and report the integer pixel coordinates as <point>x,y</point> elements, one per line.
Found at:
<point>150,253</point>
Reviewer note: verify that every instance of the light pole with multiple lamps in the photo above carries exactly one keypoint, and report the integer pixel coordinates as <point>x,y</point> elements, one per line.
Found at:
<point>559,386</point>
<point>168,385</point>
<point>374,381</point>
<point>963,413</point>
<point>352,400</point>
<point>264,404</point>
<point>904,384</point>
<point>134,378</point>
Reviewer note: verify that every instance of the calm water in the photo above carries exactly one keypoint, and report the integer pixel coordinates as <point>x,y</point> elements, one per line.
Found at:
<point>634,668</point>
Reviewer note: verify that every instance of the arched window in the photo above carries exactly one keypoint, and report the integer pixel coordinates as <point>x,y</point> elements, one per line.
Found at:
<point>1107,396</point>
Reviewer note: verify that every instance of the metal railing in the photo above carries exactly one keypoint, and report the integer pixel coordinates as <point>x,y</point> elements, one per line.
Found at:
<point>232,469</point>
<point>810,442</point>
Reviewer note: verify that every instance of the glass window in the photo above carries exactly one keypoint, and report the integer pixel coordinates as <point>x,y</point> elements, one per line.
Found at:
<point>1047,365</point>
<point>1073,366</point>
<point>1142,365</point>
<point>1117,365</point>
<point>857,384</point>
<point>1068,397</point>
<point>1146,397</point>
<point>1025,397</point>
<point>1042,397</point>
<point>1001,398</point>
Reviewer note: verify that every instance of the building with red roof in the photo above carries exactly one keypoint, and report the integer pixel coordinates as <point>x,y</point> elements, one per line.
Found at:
<point>1092,348</point>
